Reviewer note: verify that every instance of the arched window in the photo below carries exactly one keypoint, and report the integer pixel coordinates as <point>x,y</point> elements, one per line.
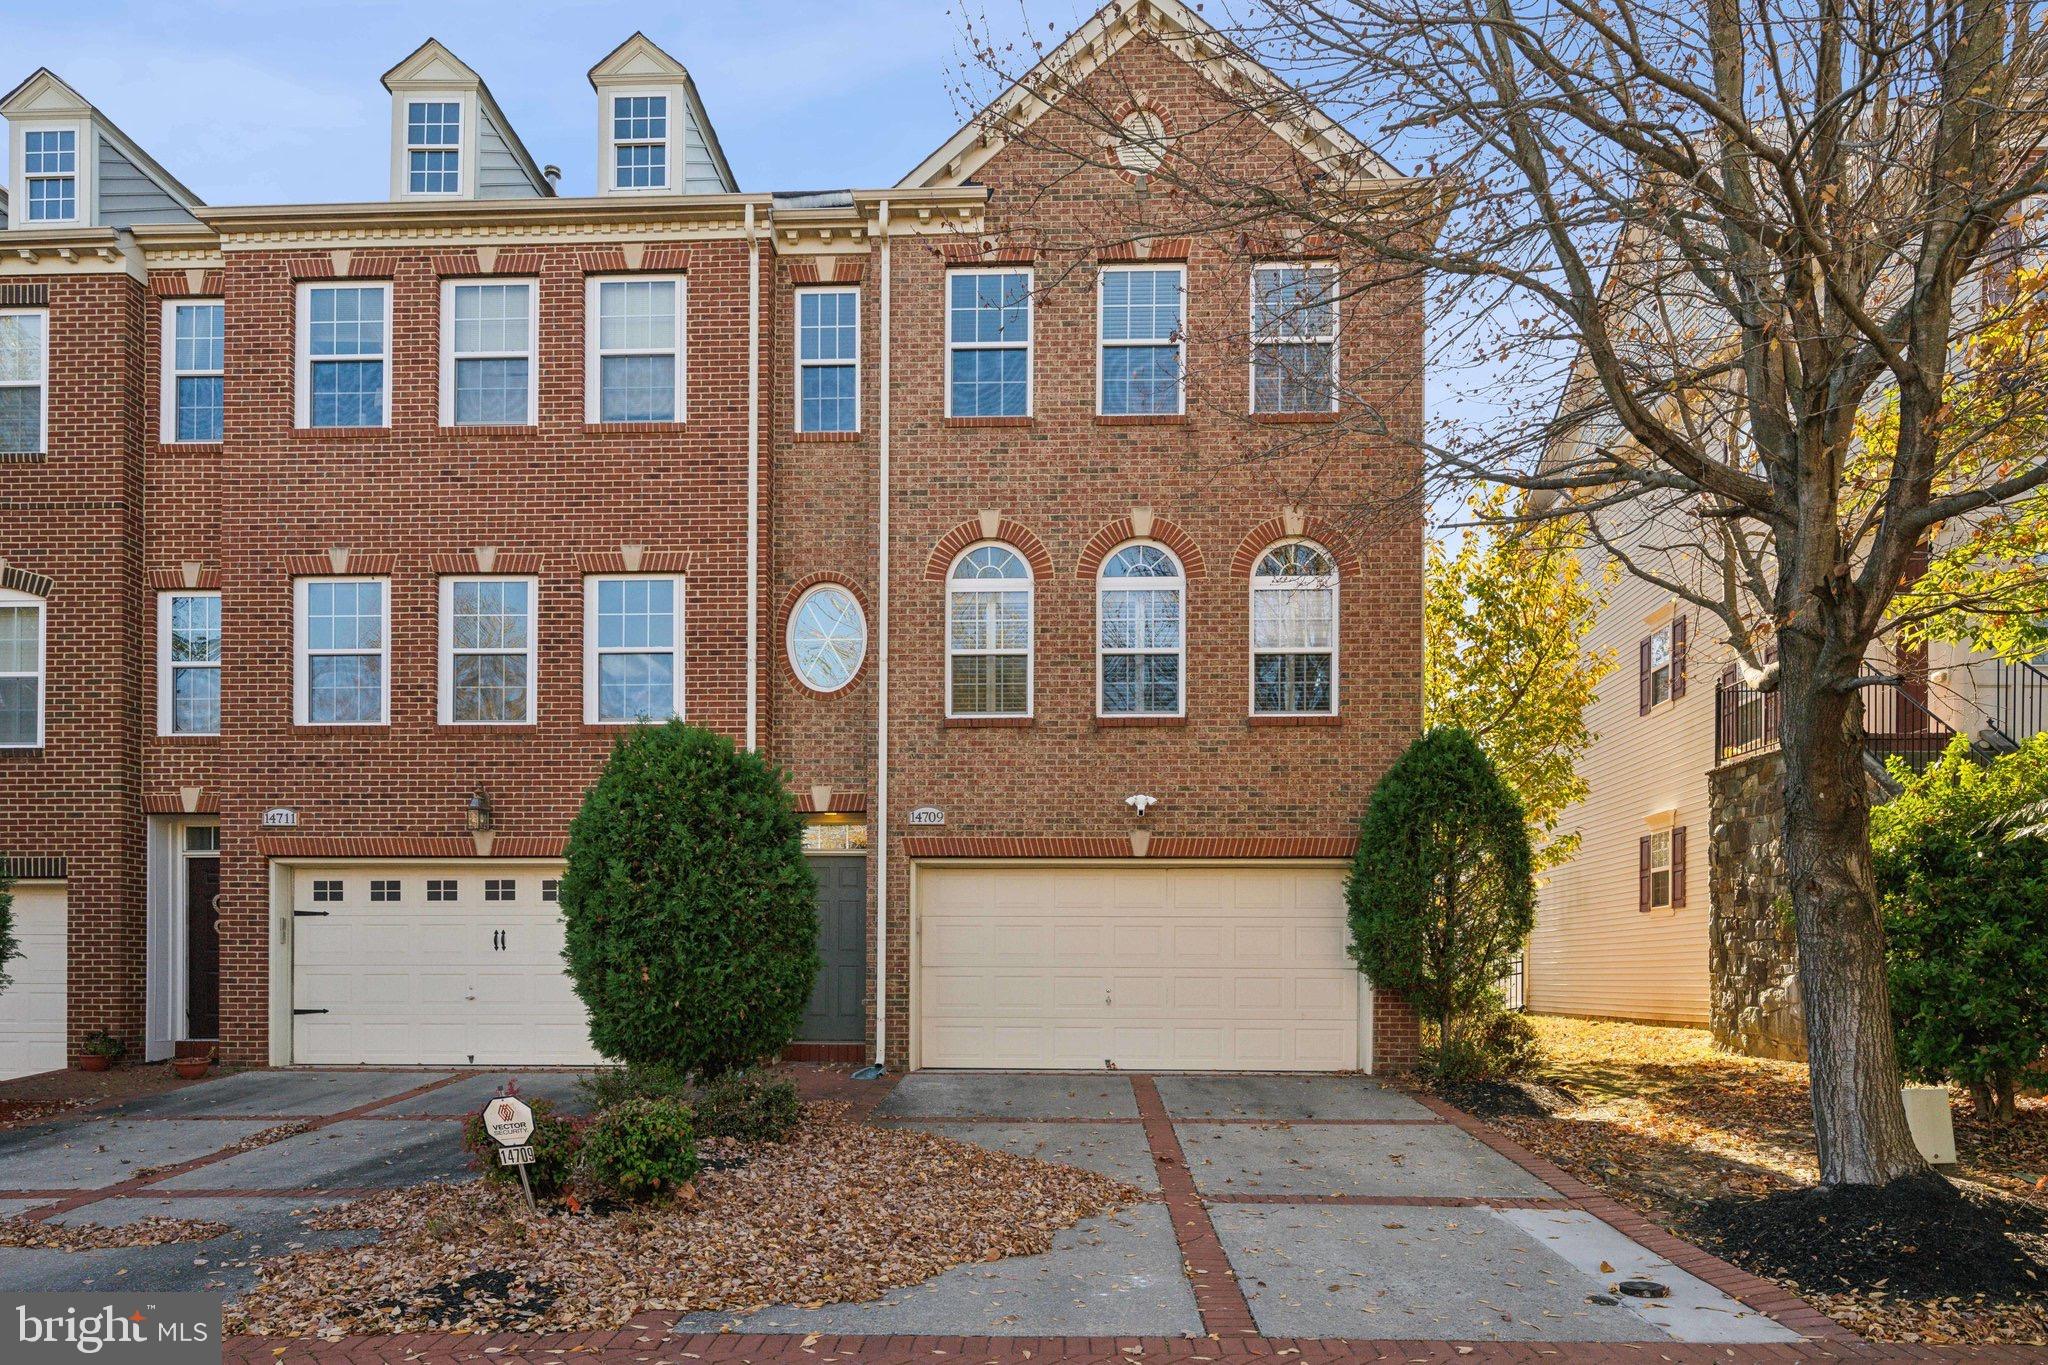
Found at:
<point>1294,631</point>
<point>988,634</point>
<point>1141,634</point>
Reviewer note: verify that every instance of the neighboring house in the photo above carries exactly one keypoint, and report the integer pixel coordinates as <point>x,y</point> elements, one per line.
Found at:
<point>339,541</point>
<point>1628,928</point>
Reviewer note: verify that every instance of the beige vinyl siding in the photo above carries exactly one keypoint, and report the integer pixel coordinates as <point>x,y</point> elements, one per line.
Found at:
<point>1594,952</point>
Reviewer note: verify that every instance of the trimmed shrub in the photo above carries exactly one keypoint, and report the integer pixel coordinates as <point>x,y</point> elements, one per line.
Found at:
<point>640,1150</point>
<point>614,1085</point>
<point>1963,882</point>
<point>555,1142</point>
<point>749,1107</point>
<point>692,916</point>
<point>1441,895</point>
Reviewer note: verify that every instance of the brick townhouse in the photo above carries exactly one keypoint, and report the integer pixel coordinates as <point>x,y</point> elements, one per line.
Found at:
<point>338,542</point>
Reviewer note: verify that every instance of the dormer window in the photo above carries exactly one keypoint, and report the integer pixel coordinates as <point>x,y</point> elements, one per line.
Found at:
<point>49,159</point>
<point>640,157</point>
<point>433,146</point>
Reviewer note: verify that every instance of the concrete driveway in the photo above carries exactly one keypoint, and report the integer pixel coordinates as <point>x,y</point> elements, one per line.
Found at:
<point>1319,1207</point>
<point>1325,1207</point>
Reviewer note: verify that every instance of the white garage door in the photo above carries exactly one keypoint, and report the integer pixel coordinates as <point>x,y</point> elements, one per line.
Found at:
<point>1181,968</point>
<point>32,1006</point>
<point>432,965</point>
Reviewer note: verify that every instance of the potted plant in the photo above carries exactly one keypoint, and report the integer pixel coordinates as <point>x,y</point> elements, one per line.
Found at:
<point>100,1051</point>
<point>192,1068</point>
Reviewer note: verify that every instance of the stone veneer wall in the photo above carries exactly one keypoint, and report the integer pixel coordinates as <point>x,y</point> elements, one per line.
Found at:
<point>1752,963</point>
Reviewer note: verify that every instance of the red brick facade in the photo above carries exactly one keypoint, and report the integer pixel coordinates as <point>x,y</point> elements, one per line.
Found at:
<point>112,516</point>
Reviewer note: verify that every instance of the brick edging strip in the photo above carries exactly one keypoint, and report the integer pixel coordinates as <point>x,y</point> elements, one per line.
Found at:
<point>1772,1300</point>
<point>1219,1299</point>
<point>140,1183</point>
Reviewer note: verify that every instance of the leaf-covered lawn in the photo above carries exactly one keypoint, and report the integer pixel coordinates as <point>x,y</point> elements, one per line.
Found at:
<point>1664,1120</point>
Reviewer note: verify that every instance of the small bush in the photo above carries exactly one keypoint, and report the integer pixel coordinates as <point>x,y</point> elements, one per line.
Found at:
<point>642,1149</point>
<point>690,910</point>
<point>9,947</point>
<point>614,1085</point>
<point>555,1141</point>
<point>1510,1044</point>
<point>1963,883</point>
<point>1459,1059</point>
<point>748,1107</point>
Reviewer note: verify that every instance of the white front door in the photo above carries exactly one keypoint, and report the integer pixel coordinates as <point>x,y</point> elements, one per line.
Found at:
<point>418,964</point>
<point>1176,967</point>
<point>32,1008</point>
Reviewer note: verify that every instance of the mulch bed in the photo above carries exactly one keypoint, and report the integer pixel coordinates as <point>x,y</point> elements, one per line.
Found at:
<point>840,1212</point>
<point>1719,1148</point>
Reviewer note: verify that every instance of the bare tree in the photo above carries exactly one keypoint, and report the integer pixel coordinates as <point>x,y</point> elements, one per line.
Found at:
<point>1689,247</point>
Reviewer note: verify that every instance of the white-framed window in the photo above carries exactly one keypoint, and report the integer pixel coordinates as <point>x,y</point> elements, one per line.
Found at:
<point>49,167</point>
<point>488,353</point>
<point>1294,631</point>
<point>326,890</point>
<point>188,663</point>
<point>344,355</point>
<point>24,381</point>
<point>21,670</point>
<point>827,638</point>
<point>640,157</point>
<point>384,890</point>
<point>988,342</point>
<point>342,651</point>
<point>632,648</point>
<point>1143,341</point>
<point>828,359</point>
<point>1141,639</point>
<point>989,609</point>
<point>500,888</point>
<point>1294,338</point>
<point>194,369</point>
<point>433,146</point>
<point>488,659</point>
<point>441,889</point>
<point>634,348</point>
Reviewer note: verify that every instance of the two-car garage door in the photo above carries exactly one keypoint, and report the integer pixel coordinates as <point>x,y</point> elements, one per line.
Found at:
<point>1190,967</point>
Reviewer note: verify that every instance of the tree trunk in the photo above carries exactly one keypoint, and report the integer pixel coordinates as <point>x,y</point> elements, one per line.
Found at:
<point>1859,1117</point>
<point>1983,1102</point>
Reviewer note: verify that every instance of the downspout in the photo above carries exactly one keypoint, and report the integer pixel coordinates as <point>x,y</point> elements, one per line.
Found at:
<point>881,841</point>
<point>753,482</point>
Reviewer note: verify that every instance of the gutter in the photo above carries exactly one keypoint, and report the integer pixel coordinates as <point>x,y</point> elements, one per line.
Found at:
<point>881,802</point>
<point>753,481</point>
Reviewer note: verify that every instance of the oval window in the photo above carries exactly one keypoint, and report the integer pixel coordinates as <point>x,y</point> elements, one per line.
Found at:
<point>828,638</point>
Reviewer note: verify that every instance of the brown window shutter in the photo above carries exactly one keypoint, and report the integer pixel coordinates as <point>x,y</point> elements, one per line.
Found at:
<point>1643,677</point>
<point>1678,658</point>
<point>1643,877</point>
<point>1678,868</point>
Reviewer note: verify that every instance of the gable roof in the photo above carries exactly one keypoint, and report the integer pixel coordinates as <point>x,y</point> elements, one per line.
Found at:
<point>45,92</point>
<point>431,65</point>
<point>640,58</point>
<point>1317,136</point>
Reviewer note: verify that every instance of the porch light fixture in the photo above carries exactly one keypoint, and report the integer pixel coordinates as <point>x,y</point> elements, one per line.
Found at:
<point>480,820</point>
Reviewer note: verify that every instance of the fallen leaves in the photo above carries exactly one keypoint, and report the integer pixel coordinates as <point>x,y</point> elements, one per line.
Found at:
<point>840,1212</point>
<point>143,1232</point>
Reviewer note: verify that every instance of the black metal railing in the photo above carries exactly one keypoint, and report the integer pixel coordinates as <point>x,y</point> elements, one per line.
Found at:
<point>1514,985</point>
<point>1896,722</point>
<point>2021,701</point>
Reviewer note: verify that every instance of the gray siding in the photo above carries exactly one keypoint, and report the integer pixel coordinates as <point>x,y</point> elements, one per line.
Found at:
<point>499,174</point>
<point>128,196</point>
<point>700,172</point>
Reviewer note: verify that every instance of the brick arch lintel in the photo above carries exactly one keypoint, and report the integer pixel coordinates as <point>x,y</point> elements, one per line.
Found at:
<point>1123,528</point>
<point>1268,533</point>
<point>782,615</point>
<point>1014,534</point>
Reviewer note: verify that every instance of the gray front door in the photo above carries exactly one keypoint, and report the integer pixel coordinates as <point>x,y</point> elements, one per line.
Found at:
<point>838,1012</point>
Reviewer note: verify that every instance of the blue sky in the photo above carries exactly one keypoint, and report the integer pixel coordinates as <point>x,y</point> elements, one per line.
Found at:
<point>252,101</point>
